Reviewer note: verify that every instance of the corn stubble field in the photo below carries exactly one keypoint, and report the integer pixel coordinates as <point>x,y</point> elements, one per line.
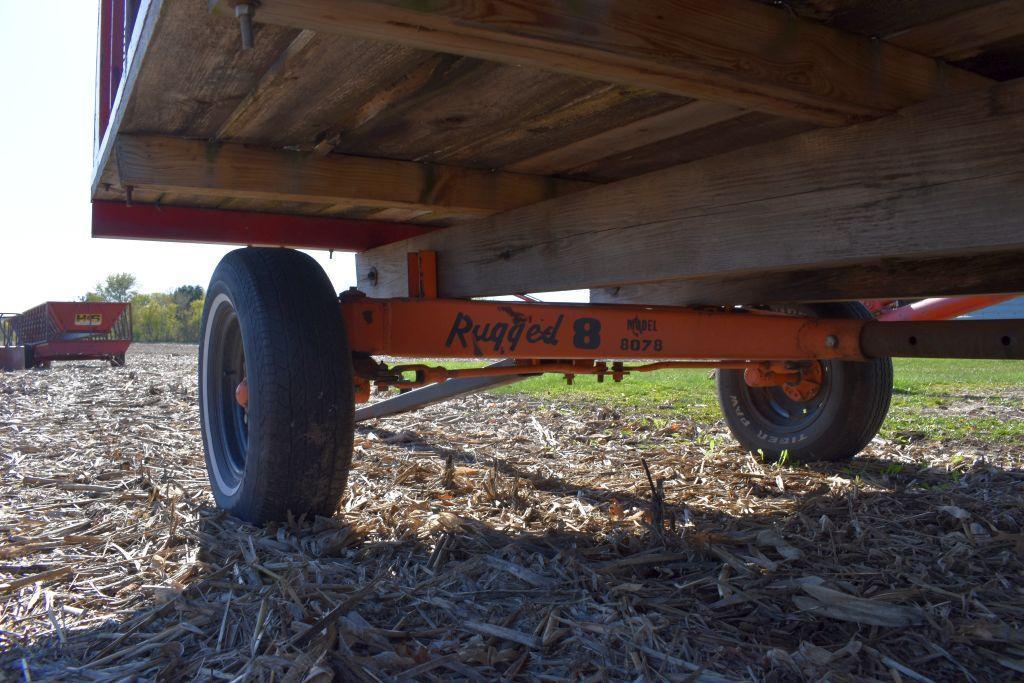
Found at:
<point>511,536</point>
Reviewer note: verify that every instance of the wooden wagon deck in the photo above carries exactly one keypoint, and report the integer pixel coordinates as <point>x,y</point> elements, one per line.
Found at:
<point>658,152</point>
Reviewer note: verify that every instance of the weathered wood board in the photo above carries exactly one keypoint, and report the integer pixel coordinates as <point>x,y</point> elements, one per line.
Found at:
<point>939,179</point>
<point>444,113</point>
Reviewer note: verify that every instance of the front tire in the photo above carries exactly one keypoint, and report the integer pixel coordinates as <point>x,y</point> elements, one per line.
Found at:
<point>271,319</point>
<point>834,425</point>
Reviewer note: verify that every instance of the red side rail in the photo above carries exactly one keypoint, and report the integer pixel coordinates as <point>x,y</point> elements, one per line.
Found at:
<point>188,224</point>
<point>117,21</point>
<point>110,65</point>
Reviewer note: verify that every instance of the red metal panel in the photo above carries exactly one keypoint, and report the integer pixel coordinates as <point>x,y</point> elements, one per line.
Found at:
<point>103,68</point>
<point>116,50</point>
<point>111,60</point>
<point>85,316</point>
<point>79,350</point>
<point>185,224</point>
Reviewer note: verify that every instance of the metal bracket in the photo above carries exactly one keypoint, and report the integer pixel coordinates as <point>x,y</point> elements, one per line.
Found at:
<point>244,11</point>
<point>422,273</point>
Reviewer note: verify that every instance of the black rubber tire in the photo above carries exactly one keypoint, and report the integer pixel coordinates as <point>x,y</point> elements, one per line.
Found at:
<point>291,449</point>
<point>836,425</point>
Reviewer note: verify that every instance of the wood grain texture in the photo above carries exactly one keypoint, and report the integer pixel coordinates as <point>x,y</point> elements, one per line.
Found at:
<point>368,98</point>
<point>733,52</point>
<point>939,179</point>
<point>964,34</point>
<point>323,86</point>
<point>482,114</point>
<point>876,17</point>
<point>195,73</point>
<point>751,128</point>
<point>631,136</point>
<point>242,172</point>
<point>889,278</point>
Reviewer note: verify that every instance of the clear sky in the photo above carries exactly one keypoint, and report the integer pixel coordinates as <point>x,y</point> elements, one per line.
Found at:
<point>47,76</point>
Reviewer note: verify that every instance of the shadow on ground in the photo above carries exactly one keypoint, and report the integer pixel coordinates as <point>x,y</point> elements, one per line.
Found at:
<point>500,538</point>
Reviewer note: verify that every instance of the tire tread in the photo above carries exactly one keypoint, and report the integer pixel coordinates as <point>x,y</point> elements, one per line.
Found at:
<point>302,411</point>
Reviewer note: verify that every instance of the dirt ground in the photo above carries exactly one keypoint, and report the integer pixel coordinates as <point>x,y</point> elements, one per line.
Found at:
<point>494,538</point>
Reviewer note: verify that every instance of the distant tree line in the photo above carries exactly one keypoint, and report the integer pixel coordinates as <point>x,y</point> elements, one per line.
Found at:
<point>159,316</point>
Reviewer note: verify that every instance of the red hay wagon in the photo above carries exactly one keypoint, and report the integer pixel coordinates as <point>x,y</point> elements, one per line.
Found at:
<point>66,330</point>
<point>729,179</point>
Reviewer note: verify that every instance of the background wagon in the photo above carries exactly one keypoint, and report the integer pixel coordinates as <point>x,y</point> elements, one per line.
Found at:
<point>66,330</point>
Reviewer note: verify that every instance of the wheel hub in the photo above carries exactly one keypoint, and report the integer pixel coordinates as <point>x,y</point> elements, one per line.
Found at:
<point>808,385</point>
<point>242,393</point>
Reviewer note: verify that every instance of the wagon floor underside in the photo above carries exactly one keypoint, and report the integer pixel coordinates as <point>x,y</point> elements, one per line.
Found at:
<point>655,152</point>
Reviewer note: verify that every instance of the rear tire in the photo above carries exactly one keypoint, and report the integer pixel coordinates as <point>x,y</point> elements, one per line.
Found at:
<point>835,425</point>
<point>271,318</point>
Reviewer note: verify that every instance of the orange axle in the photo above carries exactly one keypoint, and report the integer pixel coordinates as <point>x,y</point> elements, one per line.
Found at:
<point>440,328</point>
<point>566,339</point>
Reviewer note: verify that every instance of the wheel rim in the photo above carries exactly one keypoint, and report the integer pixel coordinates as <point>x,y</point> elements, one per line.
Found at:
<point>771,406</point>
<point>227,428</point>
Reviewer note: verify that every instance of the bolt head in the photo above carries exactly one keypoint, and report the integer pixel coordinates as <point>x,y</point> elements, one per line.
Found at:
<point>831,341</point>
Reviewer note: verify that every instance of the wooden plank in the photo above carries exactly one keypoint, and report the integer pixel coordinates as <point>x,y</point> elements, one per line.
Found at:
<point>939,179</point>
<point>323,86</point>
<point>876,17</point>
<point>196,74</point>
<point>521,112</point>
<point>889,278</point>
<point>484,115</point>
<point>966,33</point>
<point>295,56</point>
<point>630,136</point>
<point>751,128</point>
<point>239,171</point>
<point>733,52</point>
<point>329,92</point>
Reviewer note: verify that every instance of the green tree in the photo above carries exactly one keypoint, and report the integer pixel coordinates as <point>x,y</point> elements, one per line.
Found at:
<point>174,316</point>
<point>117,287</point>
<point>185,298</point>
<point>193,321</point>
<point>154,319</point>
<point>185,294</point>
